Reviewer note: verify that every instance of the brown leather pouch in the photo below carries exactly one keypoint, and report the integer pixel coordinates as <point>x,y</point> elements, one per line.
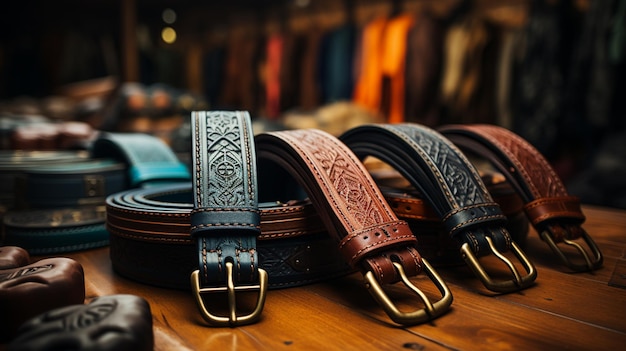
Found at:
<point>32,289</point>
<point>13,256</point>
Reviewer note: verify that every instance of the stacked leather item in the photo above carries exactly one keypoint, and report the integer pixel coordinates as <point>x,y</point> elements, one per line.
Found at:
<point>28,289</point>
<point>55,199</point>
<point>43,308</point>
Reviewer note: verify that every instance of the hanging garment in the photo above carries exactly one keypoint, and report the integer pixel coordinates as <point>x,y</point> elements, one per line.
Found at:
<point>393,64</point>
<point>336,64</point>
<point>274,52</point>
<point>467,72</point>
<point>367,92</point>
<point>536,94</point>
<point>293,48</point>
<point>423,70</point>
<point>309,78</point>
<point>241,84</point>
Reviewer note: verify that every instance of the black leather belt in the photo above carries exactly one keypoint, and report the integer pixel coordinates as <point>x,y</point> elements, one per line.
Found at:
<point>59,202</point>
<point>556,216</point>
<point>452,186</point>
<point>150,241</point>
<point>369,235</point>
<point>225,221</point>
<point>435,243</point>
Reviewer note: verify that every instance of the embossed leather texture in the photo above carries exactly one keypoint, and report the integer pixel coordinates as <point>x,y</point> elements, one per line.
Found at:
<point>225,220</point>
<point>150,241</point>
<point>113,322</point>
<point>435,243</point>
<point>556,216</point>
<point>31,289</point>
<point>369,235</point>
<point>149,159</point>
<point>452,186</point>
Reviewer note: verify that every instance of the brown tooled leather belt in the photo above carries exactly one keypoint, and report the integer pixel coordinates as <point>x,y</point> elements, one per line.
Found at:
<point>555,214</point>
<point>369,235</point>
<point>451,185</point>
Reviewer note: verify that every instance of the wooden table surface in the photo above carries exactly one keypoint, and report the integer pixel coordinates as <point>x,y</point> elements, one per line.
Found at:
<point>563,310</point>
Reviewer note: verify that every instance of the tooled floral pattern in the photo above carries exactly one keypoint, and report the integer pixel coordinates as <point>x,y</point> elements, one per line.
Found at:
<point>226,185</point>
<point>348,184</point>
<point>462,182</point>
<point>90,314</point>
<point>535,169</point>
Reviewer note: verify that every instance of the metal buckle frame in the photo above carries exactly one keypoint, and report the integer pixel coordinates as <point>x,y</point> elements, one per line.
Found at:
<point>590,265</point>
<point>233,319</point>
<point>431,310</point>
<point>503,286</point>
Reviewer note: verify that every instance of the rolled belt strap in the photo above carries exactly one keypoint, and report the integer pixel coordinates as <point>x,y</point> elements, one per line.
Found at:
<point>555,214</point>
<point>150,241</point>
<point>369,235</point>
<point>14,164</point>
<point>452,186</point>
<point>148,159</point>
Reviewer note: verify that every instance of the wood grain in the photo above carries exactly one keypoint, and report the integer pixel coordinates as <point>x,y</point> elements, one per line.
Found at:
<point>563,310</point>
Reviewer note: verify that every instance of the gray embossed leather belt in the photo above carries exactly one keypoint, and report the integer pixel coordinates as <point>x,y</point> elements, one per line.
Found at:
<point>451,185</point>
<point>555,214</point>
<point>369,235</point>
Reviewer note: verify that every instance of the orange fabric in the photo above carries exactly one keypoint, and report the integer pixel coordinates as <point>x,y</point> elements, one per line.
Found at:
<point>367,91</point>
<point>394,62</point>
<point>383,57</point>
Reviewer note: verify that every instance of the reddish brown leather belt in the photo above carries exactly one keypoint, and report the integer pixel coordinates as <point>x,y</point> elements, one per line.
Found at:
<point>369,235</point>
<point>451,185</point>
<point>555,214</point>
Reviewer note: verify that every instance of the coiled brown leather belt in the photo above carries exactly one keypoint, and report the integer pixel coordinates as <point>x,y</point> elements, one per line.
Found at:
<point>369,235</point>
<point>452,186</point>
<point>556,216</point>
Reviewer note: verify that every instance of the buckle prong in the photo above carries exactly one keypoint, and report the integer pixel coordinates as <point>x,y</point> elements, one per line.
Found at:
<point>233,319</point>
<point>518,282</point>
<point>590,265</point>
<point>430,311</point>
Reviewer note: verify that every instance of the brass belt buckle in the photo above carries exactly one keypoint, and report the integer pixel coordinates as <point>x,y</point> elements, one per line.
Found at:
<point>431,310</point>
<point>233,319</point>
<point>518,282</point>
<point>590,265</point>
